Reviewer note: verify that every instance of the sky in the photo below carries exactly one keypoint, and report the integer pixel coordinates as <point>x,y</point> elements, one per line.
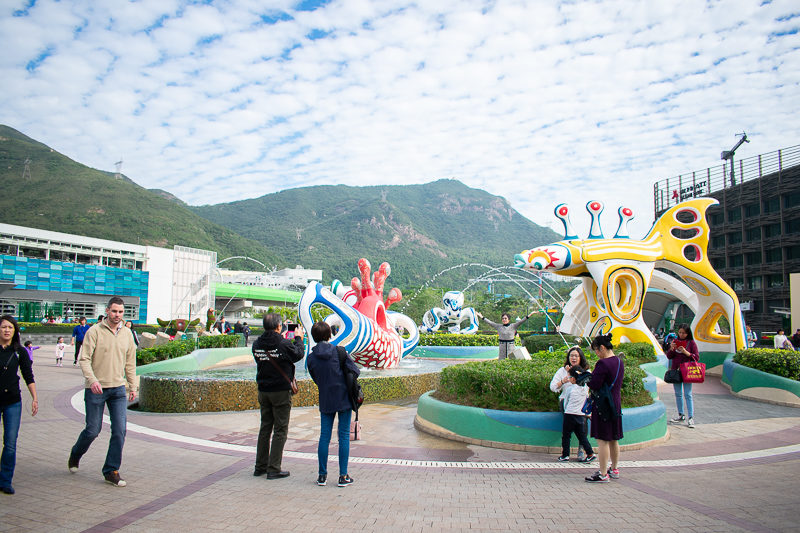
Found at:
<point>540,102</point>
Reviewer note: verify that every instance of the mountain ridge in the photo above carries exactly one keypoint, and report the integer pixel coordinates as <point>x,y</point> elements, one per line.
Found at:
<point>419,229</point>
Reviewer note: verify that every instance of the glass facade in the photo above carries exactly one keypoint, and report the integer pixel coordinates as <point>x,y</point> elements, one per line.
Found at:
<point>42,275</point>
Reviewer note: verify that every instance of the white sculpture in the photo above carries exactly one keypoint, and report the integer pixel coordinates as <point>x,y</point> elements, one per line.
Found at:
<point>451,316</point>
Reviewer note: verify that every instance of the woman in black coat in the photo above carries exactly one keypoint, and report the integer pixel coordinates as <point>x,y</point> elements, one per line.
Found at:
<point>13,359</point>
<point>327,373</point>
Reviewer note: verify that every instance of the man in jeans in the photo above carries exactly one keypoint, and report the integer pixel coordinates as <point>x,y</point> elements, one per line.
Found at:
<point>108,353</point>
<point>275,358</point>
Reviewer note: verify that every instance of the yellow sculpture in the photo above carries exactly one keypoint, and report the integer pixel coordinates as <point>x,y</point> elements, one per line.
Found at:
<point>617,272</point>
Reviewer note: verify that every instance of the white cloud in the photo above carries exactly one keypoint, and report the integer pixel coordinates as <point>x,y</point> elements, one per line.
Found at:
<point>540,103</point>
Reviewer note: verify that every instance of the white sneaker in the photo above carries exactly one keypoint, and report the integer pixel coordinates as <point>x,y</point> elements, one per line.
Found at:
<point>690,423</point>
<point>678,419</point>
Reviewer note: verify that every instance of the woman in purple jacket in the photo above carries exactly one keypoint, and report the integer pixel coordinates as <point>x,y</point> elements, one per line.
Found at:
<point>682,350</point>
<point>327,373</point>
<point>609,370</point>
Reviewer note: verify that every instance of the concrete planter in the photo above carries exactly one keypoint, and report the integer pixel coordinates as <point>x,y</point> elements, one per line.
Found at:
<point>761,386</point>
<point>526,431</point>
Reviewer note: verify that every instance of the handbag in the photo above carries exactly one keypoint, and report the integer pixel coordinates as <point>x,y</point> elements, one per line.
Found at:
<point>587,406</point>
<point>693,372</point>
<point>354,392</point>
<point>673,376</point>
<point>355,428</point>
<point>292,382</point>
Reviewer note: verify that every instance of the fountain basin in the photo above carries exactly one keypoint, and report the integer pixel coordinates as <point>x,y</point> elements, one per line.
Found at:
<point>211,382</point>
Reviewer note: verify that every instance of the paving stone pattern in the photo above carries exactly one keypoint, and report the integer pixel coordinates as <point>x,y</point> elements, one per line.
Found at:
<point>180,485</point>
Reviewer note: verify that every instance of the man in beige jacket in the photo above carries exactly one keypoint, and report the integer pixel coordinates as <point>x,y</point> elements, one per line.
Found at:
<point>108,362</point>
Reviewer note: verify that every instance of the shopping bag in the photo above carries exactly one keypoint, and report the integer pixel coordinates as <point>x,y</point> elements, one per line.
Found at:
<point>693,372</point>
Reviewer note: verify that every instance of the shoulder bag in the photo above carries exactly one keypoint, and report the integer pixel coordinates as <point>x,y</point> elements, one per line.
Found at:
<point>292,382</point>
<point>673,375</point>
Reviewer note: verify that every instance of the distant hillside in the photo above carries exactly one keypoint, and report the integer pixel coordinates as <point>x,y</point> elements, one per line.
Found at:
<point>62,195</point>
<point>420,229</point>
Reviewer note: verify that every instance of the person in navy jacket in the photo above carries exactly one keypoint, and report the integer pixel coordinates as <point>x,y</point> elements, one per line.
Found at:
<point>327,373</point>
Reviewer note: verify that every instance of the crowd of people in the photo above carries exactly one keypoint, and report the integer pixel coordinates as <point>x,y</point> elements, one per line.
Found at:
<point>106,354</point>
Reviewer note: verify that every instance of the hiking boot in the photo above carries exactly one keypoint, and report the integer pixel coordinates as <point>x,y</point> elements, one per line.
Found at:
<point>113,478</point>
<point>345,480</point>
<point>589,458</point>
<point>678,419</point>
<point>613,473</point>
<point>322,480</point>
<point>597,477</point>
<point>690,423</point>
<point>73,463</point>
<point>563,459</point>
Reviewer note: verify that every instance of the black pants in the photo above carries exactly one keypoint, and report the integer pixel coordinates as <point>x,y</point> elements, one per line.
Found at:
<point>275,410</point>
<point>77,349</point>
<point>574,424</point>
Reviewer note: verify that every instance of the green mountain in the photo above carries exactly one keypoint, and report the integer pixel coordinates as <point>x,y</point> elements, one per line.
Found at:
<point>419,229</point>
<point>62,195</point>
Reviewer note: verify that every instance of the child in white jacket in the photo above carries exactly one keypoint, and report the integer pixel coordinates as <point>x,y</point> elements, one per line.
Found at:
<point>60,348</point>
<point>572,398</point>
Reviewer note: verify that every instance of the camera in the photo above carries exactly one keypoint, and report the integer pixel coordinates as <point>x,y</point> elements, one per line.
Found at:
<point>581,376</point>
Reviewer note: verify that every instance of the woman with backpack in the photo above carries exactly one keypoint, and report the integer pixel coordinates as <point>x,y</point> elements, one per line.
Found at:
<point>606,387</point>
<point>327,371</point>
<point>13,358</point>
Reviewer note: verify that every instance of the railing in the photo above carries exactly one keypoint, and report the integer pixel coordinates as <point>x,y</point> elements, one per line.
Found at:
<point>672,191</point>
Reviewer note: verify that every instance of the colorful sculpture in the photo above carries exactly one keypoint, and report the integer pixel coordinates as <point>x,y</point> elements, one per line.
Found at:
<point>451,316</point>
<point>616,274</point>
<point>366,329</point>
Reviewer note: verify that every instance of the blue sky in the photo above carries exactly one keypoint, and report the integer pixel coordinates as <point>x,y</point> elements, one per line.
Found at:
<point>538,102</point>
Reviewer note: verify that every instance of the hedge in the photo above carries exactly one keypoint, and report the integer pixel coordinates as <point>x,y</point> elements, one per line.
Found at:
<point>784,363</point>
<point>521,385</point>
<point>456,339</point>
<point>541,343</point>
<point>66,328</point>
<point>178,348</point>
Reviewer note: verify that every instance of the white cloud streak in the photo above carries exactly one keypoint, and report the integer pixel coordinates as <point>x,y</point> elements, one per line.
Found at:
<point>539,102</point>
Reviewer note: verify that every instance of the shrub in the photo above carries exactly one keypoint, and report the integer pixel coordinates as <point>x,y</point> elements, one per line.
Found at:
<point>177,348</point>
<point>519,385</point>
<point>784,363</point>
<point>637,353</point>
<point>540,343</point>
<point>455,339</point>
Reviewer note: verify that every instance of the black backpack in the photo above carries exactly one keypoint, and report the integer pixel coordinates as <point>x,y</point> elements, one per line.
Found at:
<point>354,391</point>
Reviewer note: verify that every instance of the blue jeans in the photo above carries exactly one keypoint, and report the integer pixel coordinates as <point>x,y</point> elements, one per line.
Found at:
<point>684,390</point>
<point>11,417</point>
<point>117,400</point>
<point>325,440</point>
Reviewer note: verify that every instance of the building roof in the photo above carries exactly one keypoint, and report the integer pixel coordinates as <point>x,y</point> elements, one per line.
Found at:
<point>252,292</point>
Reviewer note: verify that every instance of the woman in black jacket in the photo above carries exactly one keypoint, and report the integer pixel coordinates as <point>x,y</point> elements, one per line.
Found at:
<point>328,374</point>
<point>12,358</point>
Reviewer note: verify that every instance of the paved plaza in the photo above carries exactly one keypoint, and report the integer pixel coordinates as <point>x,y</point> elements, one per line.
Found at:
<point>738,470</point>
